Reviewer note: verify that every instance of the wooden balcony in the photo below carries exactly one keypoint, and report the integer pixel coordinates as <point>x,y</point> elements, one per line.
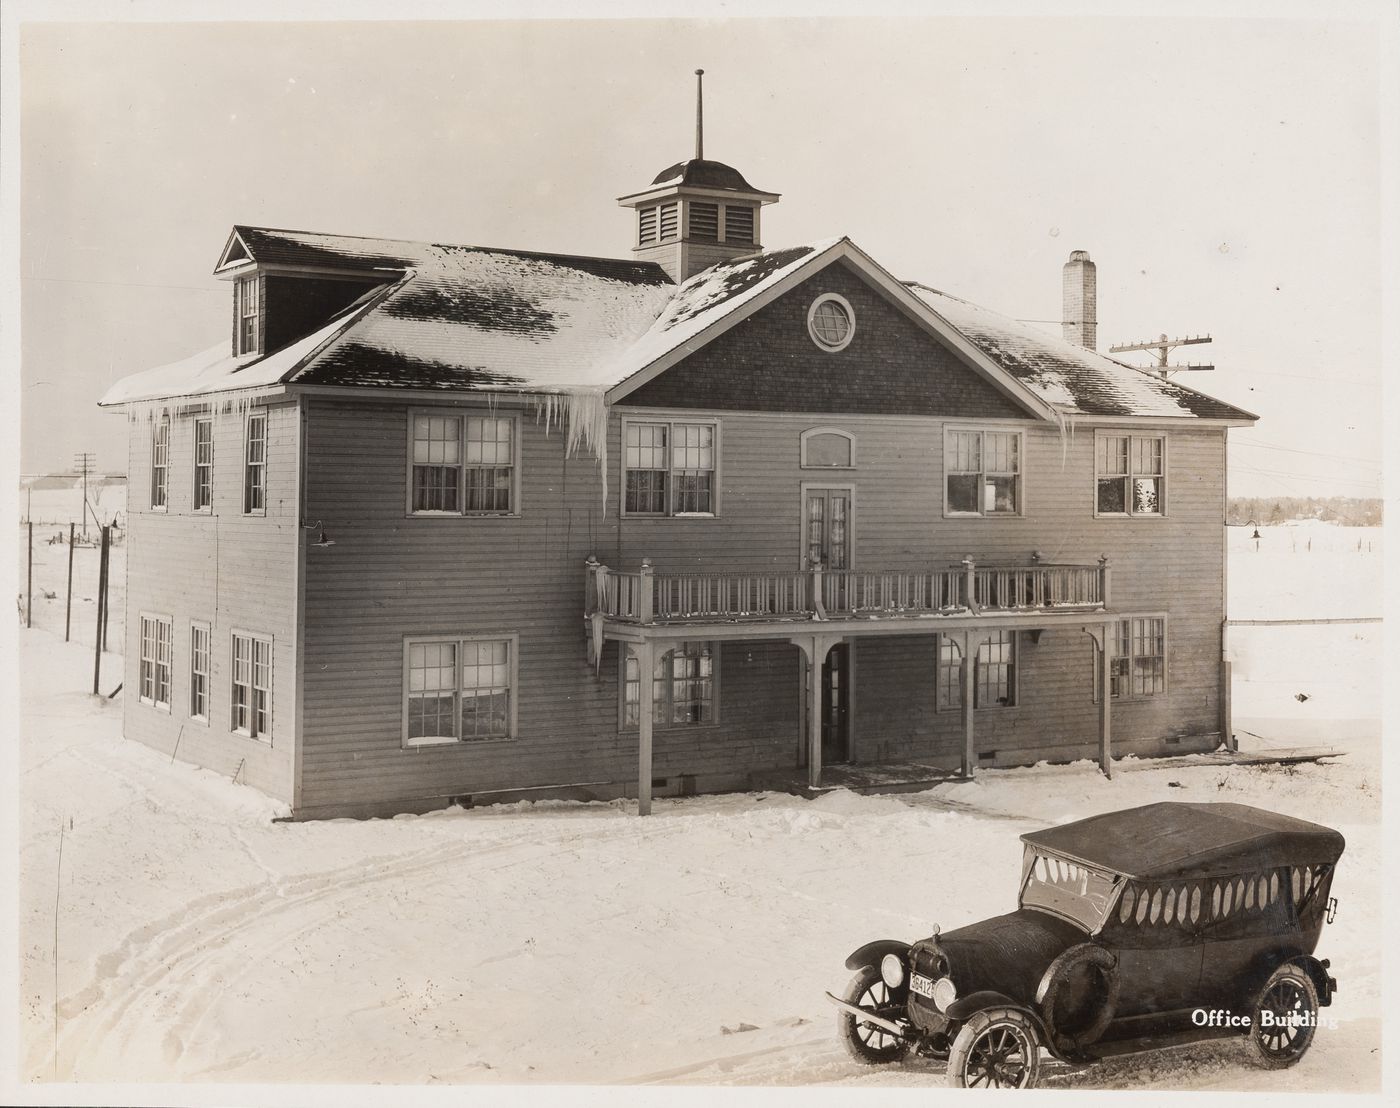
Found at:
<point>647,598</point>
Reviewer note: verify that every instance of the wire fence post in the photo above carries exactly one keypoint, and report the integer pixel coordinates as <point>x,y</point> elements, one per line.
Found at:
<point>106,582</point>
<point>68,605</point>
<point>29,588</point>
<point>101,595</point>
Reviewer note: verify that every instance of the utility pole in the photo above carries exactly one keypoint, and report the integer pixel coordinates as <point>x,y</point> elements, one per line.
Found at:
<point>1160,347</point>
<point>83,462</point>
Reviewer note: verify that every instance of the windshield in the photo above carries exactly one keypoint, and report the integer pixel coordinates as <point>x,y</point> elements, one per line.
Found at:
<point>1067,889</point>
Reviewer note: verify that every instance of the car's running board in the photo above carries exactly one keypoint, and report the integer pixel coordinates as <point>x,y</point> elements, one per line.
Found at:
<point>865,1017</point>
<point>1114,1047</point>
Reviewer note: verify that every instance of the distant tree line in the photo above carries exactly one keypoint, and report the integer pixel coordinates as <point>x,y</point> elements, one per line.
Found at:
<point>1349,511</point>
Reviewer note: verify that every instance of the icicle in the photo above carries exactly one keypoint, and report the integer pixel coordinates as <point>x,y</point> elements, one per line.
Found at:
<point>584,414</point>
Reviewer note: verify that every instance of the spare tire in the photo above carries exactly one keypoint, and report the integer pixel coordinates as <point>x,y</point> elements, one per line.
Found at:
<point>1078,995</point>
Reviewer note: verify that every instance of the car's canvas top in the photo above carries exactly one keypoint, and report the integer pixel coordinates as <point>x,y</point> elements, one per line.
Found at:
<point>1189,840</point>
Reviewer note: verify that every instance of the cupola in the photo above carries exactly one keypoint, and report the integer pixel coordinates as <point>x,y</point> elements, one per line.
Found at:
<point>697,212</point>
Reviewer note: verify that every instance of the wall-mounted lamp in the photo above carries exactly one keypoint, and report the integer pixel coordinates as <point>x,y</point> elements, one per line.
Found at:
<point>321,539</point>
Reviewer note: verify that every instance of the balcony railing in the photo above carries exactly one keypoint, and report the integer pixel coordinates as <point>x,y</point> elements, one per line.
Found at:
<point>647,597</point>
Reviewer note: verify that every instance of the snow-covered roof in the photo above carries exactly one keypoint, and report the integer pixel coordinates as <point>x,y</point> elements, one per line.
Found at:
<point>474,318</point>
<point>1076,380</point>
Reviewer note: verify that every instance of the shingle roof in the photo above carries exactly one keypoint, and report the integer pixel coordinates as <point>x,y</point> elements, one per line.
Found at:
<point>705,174</point>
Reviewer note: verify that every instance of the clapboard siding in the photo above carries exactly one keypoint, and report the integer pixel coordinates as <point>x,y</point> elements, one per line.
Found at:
<point>223,568</point>
<point>391,575</point>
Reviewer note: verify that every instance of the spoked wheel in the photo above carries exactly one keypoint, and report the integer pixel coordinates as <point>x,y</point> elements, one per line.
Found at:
<point>865,1042</point>
<point>1284,1019</point>
<point>997,1048</point>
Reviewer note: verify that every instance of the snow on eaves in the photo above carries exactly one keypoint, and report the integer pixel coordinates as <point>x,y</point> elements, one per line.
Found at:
<point>1076,380</point>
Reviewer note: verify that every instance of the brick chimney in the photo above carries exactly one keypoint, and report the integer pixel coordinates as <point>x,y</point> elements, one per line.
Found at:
<point>1080,315</point>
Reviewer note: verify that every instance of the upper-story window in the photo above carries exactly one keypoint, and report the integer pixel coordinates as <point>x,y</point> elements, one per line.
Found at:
<point>160,462</point>
<point>828,448</point>
<point>831,321</point>
<point>982,472</point>
<point>669,468</point>
<point>463,465</point>
<point>1130,475</point>
<point>255,464</point>
<point>203,464</point>
<point>247,311</point>
<point>658,223</point>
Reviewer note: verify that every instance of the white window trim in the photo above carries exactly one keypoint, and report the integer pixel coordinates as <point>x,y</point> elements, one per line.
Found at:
<point>251,281</point>
<point>207,509</point>
<point>513,732</point>
<point>822,344</point>
<point>150,701</point>
<point>159,421</point>
<point>264,737</point>
<point>979,428</point>
<point>202,625</point>
<point>1131,697</point>
<point>811,432</point>
<point>1129,434</point>
<point>663,647</point>
<point>463,414</point>
<point>672,422</point>
<point>255,413</point>
<point>942,703</point>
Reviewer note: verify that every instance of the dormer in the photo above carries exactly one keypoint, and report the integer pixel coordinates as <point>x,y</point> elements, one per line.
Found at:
<point>696,213</point>
<point>287,284</point>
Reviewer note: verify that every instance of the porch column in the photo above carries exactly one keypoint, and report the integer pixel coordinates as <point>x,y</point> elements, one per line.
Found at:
<point>1102,634</point>
<point>814,650</point>
<point>969,691</point>
<point>645,660</point>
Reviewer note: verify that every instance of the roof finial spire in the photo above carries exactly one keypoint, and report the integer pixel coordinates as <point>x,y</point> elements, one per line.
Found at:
<point>699,115</point>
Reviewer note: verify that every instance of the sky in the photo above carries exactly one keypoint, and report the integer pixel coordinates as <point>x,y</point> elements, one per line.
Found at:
<point>1223,173</point>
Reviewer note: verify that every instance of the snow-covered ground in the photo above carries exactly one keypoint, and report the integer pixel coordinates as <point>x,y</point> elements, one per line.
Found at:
<point>187,937</point>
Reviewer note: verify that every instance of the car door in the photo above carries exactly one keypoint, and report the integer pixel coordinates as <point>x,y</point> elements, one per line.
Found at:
<point>1155,934</point>
<point>1246,915</point>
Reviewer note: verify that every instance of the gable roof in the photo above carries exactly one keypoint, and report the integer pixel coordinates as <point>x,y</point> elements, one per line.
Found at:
<point>455,318</point>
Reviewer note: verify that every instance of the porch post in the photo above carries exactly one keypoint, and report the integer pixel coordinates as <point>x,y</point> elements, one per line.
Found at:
<point>645,660</point>
<point>1105,699</point>
<point>969,758</point>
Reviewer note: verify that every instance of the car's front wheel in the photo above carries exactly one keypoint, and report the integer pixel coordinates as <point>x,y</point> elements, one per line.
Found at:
<point>997,1048</point>
<point>865,1042</point>
<point>1284,1019</point>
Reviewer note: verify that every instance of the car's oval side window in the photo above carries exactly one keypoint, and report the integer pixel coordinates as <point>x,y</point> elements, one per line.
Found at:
<point>1168,905</point>
<point>1143,899</point>
<point>1228,903</point>
<point>1155,911</point>
<point>1195,903</point>
<point>1249,892</point>
<point>1273,887</point>
<point>1125,905</point>
<point>1215,912</point>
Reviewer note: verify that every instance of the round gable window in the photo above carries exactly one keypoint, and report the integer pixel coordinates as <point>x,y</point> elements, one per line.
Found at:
<point>831,321</point>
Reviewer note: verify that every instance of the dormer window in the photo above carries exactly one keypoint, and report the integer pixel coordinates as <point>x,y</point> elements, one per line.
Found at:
<point>247,314</point>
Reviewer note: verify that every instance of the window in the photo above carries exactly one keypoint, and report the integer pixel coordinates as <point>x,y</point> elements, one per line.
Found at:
<point>982,472</point>
<point>154,675</point>
<point>994,675</point>
<point>828,448</point>
<point>1137,659</point>
<point>252,686</point>
<point>255,464</point>
<point>831,321</point>
<point>246,301</point>
<point>199,671</point>
<point>203,464</point>
<point>160,462</point>
<point>738,223</point>
<point>669,468</point>
<point>463,465</point>
<point>704,221</point>
<point>459,690</point>
<point>683,686</point>
<point>1130,475</point>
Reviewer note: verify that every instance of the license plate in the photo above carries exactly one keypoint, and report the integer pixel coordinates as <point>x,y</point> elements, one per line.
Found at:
<point>922,985</point>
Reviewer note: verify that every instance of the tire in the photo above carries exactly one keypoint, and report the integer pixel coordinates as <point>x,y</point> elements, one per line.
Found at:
<point>997,1048</point>
<point>1289,993</point>
<point>1078,996</point>
<point>866,1043</point>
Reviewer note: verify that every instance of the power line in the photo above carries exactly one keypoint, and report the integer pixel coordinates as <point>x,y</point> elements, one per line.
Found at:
<point>1299,476</point>
<point>1310,453</point>
<point>122,284</point>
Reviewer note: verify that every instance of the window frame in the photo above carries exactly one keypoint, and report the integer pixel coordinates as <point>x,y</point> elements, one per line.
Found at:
<point>982,471</point>
<point>813,432</point>
<point>944,702</point>
<point>198,626</point>
<point>248,290</point>
<point>512,639</point>
<point>1102,433</point>
<point>255,415</point>
<point>671,423</point>
<point>160,448</point>
<point>463,415</point>
<point>207,486</point>
<point>255,638</point>
<point>625,652</point>
<point>159,620</point>
<point>845,305</point>
<point>1131,657</point>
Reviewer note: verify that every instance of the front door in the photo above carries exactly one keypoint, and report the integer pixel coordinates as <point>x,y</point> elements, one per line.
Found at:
<point>836,705</point>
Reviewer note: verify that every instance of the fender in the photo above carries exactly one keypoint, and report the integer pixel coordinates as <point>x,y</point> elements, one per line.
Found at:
<point>871,953</point>
<point>1316,969</point>
<point>967,1006</point>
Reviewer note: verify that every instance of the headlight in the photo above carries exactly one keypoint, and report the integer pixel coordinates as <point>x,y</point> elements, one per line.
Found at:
<point>892,970</point>
<point>944,993</point>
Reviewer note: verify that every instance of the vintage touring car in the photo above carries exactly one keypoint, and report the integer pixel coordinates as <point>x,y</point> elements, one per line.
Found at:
<point>1135,930</point>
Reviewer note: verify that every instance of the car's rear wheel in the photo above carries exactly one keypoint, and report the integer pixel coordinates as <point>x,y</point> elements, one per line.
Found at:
<point>865,1042</point>
<point>1284,1019</point>
<point>997,1048</point>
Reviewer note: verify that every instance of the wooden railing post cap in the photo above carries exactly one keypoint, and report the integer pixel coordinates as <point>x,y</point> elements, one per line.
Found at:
<point>1103,560</point>
<point>1037,556</point>
<point>592,562</point>
<point>646,565</point>
<point>968,561</point>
